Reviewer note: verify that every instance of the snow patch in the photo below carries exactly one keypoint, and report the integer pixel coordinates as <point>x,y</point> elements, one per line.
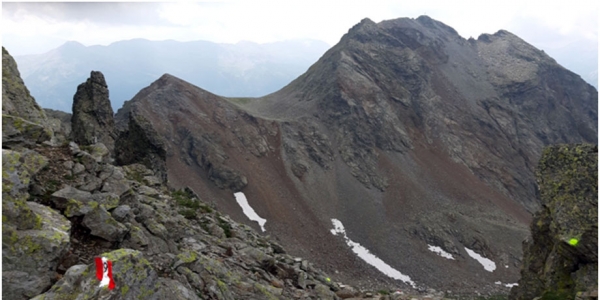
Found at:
<point>248,211</point>
<point>440,252</point>
<point>508,285</point>
<point>487,264</point>
<point>364,254</point>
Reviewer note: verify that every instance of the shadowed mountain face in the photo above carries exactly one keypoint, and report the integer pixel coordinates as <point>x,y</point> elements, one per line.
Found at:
<point>407,133</point>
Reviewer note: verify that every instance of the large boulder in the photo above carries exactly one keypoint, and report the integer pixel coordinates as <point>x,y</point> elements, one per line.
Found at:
<point>76,202</point>
<point>102,224</point>
<point>561,260</point>
<point>30,257</point>
<point>93,118</point>
<point>17,170</point>
<point>134,278</point>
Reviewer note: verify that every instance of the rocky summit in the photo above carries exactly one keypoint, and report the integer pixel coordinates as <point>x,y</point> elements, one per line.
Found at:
<point>401,165</point>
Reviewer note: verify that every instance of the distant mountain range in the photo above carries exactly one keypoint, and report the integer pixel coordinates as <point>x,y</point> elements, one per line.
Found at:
<point>242,69</point>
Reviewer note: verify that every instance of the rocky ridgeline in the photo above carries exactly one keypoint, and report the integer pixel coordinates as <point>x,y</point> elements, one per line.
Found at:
<point>64,204</point>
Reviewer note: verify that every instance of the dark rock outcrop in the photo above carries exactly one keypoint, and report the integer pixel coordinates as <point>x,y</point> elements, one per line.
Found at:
<point>24,123</point>
<point>16,99</point>
<point>561,259</point>
<point>140,143</point>
<point>93,118</point>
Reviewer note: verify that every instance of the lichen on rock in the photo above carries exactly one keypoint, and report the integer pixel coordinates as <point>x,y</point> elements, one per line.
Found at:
<point>30,257</point>
<point>17,170</point>
<point>16,99</point>
<point>554,265</point>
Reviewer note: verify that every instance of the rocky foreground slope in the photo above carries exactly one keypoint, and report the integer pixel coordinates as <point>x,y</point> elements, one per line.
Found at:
<point>407,134</point>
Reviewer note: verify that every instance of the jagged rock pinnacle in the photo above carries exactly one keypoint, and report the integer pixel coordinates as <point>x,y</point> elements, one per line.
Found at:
<point>92,120</point>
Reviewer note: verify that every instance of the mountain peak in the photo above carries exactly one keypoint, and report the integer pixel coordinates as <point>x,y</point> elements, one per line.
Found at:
<point>435,24</point>
<point>72,45</point>
<point>167,77</point>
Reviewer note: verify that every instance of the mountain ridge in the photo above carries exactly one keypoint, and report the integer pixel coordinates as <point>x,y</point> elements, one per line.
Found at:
<point>400,128</point>
<point>240,69</point>
<point>411,136</point>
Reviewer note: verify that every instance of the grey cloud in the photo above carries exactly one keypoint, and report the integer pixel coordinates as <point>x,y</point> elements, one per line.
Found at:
<point>103,13</point>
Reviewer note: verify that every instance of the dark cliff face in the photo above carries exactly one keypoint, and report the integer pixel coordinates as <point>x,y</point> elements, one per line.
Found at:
<point>561,258</point>
<point>404,131</point>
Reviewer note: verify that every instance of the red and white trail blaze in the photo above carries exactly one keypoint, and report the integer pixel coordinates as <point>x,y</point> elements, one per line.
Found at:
<point>104,272</point>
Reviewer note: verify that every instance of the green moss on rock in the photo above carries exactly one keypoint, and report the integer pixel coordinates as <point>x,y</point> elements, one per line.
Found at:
<point>554,266</point>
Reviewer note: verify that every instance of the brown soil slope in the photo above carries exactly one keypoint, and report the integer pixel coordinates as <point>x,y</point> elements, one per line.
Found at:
<point>404,131</point>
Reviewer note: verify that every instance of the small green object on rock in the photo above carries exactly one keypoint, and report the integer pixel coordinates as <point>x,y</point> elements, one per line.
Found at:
<point>328,279</point>
<point>573,242</point>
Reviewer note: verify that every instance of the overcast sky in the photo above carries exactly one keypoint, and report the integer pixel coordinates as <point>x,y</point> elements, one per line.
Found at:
<point>566,30</point>
<point>38,27</point>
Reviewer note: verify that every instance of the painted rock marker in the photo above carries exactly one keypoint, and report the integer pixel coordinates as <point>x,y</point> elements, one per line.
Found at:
<point>104,272</point>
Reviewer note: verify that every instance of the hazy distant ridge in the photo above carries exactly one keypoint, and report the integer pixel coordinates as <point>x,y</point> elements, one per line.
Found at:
<point>243,69</point>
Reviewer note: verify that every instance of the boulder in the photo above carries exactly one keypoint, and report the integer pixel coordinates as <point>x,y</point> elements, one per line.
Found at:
<point>30,257</point>
<point>76,202</point>
<point>18,132</point>
<point>561,259</point>
<point>92,121</point>
<point>102,224</point>
<point>134,278</point>
<point>17,170</point>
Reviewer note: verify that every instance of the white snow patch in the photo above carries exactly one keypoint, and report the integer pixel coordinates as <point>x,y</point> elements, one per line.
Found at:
<point>248,211</point>
<point>506,266</point>
<point>364,254</point>
<point>440,252</point>
<point>487,264</point>
<point>508,285</point>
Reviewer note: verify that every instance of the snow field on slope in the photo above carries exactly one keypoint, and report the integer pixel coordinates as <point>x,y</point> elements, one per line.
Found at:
<point>367,256</point>
<point>487,264</point>
<point>248,210</point>
<point>440,252</point>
